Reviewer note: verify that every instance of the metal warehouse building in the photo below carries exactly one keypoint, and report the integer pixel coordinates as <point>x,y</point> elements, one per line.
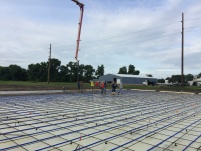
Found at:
<point>127,78</point>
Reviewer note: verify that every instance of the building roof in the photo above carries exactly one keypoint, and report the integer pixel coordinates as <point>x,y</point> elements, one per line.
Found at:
<point>132,76</point>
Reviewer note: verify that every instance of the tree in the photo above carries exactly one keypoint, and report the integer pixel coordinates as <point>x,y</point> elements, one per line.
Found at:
<point>161,81</point>
<point>17,73</point>
<point>123,70</point>
<point>4,73</point>
<point>43,69</point>
<point>88,73</point>
<point>32,72</point>
<point>149,75</point>
<point>188,77</point>
<point>199,75</point>
<point>72,71</point>
<point>131,70</point>
<point>81,72</point>
<point>169,79</point>
<point>38,72</point>
<point>99,71</point>
<point>175,79</point>
<point>54,69</point>
<point>63,73</point>
<point>137,72</point>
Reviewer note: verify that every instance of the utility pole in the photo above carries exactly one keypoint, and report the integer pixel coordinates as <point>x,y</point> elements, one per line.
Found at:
<point>81,5</point>
<point>48,78</point>
<point>182,52</point>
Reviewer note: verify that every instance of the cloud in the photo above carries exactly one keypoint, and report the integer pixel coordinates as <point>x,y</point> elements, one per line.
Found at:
<point>146,34</point>
<point>156,53</point>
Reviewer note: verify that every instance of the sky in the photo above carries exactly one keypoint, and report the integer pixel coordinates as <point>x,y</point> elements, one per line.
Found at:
<point>115,33</point>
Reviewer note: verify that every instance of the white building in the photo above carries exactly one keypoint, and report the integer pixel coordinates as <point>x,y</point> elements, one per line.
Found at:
<point>127,78</point>
<point>195,82</point>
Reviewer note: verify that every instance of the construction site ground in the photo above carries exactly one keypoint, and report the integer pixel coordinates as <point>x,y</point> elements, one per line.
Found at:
<point>68,120</point>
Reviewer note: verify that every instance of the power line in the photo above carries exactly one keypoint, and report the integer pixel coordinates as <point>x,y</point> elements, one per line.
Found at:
<point>138,41</point>
<point>129,43</point>
<point>125,35</point>
<point>135,32</point>
<point>193,19</point>
<point>193,31</point>
<point>192,27</point>
<point>131,39</point>
<point>166,68</point>
<point>133,42</point>
<point>128,39</point>
<point>130,33</point>
<point>192,13</point>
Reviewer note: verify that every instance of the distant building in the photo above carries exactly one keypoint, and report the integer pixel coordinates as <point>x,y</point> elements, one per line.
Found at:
<point>127,78</point>
<point>195,82</point>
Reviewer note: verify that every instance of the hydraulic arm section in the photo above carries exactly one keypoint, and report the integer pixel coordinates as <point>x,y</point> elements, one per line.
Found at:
<point>81,5</point>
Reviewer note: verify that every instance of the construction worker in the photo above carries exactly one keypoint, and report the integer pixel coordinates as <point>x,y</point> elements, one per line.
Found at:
<point>92,85</point>
<point>120,88</point>
<point>97,84</point>
<point>114,85</point>
<point>78,85</point>
<point>81,86</point>
<point>102,85</point>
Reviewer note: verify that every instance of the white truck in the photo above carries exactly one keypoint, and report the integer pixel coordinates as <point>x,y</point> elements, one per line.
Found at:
<point>147,82</point>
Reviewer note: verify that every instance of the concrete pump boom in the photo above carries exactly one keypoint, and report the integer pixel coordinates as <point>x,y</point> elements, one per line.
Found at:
<point>81,5</point>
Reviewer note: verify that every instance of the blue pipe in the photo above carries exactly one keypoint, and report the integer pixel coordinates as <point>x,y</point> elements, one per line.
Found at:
<point>152,132</point>
<point>115,135</point>
<point>75,120</point>
<point>173,135</point>
<point>191,143</point>
<point>78,137</point>
<point>89,127</point>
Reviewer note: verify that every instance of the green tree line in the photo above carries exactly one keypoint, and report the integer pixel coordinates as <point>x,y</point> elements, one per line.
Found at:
<point>68,73</point>
<point>131,70</point>
<point>177,78</point>
<point>58,73</point>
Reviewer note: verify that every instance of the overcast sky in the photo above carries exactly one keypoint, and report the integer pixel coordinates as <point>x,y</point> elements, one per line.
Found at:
<point>116,33</point>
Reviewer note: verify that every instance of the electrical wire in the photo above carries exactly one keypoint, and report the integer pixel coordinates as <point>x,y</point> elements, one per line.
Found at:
<point>133,42</point>
<point>193,31</point>
<point>135,32</point>
<point>192,27</point>
<point>139,37</point>
<point>127,39</point>
<point>71,51</point>
<point>192,19</point>
<point>129,33</point>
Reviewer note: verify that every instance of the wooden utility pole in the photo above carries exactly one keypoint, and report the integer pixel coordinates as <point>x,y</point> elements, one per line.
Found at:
<point>182,52</point>
<point>48,78</point>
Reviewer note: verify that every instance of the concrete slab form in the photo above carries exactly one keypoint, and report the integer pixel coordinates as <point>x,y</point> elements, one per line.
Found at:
<point>134,121</point>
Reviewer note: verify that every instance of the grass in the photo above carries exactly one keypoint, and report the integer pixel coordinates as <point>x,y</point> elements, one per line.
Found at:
<point>165,88</point>
<point>28,85</point>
